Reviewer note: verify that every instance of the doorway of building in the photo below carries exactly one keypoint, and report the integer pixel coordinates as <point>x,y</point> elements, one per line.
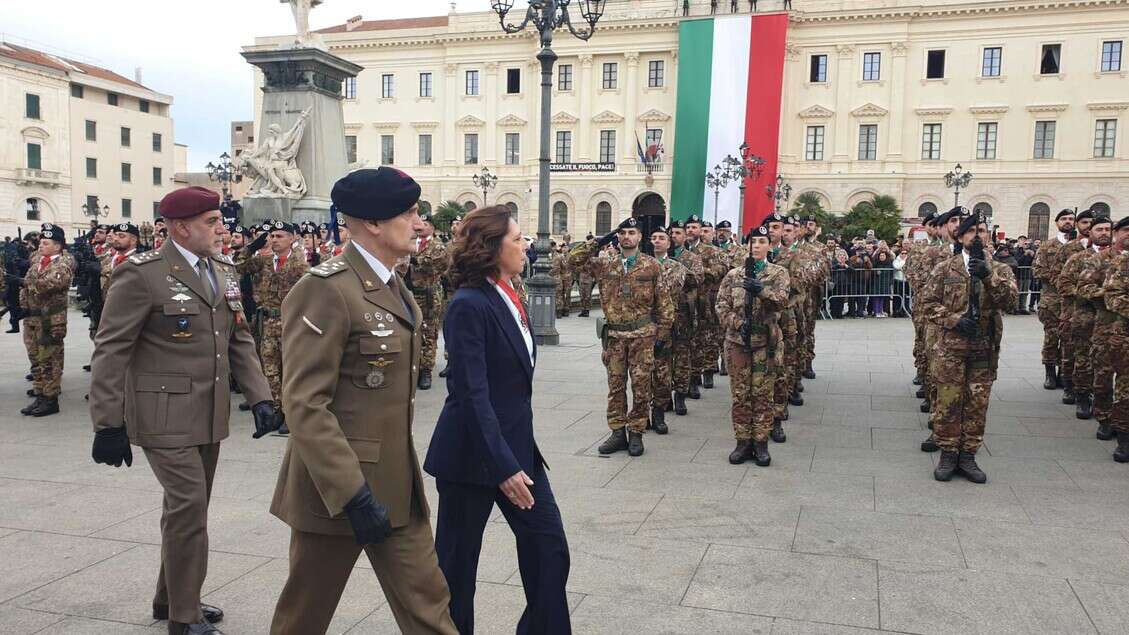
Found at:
<point>650,209</point>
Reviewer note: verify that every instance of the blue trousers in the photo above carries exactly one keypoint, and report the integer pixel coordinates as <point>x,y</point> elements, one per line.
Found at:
<point>542,551</point>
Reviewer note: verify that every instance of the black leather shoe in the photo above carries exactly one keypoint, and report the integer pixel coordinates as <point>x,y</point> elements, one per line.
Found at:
<point>925,406</point>
<point>635,443</point>
<point>777,434</point>
<point>694,392</point>
<point>679,404</point>
<point>47,406</point>
<point>283,431</point>
<point>658,420</point>
<point>31,406</point>
<point>245,407</point>
<point>799,386</point>
<point>584,313</point>
<point>760,454</point>
<point>86,368</point>
<point>14,329</point>
<point>743,452</point>
<point>424,382</point>
<point>617,442</point>
<point>917,379</point>
<point>930,444</point>
<point>1121,455</point>
<point>707,379</point>
<point>202,628</point>
<point>1068,397</point>
<point>443,373</point>
<point>795,399</point>
<point>920,393</point>
<point>31,392</point>
<point>1085,408</point>
<point>212,614</point>
<point>947,466</point>
<point>967,465</point>
<point>29,377</point>
<point>809,373</point>
<point>1105,432</point>
<point>1051,382</point>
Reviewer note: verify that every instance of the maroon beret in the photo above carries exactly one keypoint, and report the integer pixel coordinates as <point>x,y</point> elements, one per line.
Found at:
<point>188,202</point>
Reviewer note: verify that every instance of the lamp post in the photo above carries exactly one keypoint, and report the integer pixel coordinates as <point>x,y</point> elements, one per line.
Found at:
<point>94,211</point>
<point>225,174</point>
<point>547,16</point>
<point>779,192</point>
<point>717,179</point>
<point>485,181</point>
<point>749,165</point>
<point>957,179</point>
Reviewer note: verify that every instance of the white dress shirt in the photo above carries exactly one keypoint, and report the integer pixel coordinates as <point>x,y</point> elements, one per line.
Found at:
<point>192,260</point>
<point>516,313</point>
<point>382,272</point>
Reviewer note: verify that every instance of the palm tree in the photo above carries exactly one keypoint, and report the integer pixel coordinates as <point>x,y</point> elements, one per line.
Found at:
<point>445,214</point>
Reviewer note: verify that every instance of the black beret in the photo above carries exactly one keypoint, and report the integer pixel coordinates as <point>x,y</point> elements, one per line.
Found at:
<point>159,219</point>
<point>941,219</point>
<point>970,222</point>
<point>790,220</point>
<point>425,217</point>
<point>761,231</point>
<point>1098,220</point>
<point>928,218</point>
<point>104,227</point>
<point>378,194</point>
<point>660,230</point>
<point>1121,224</point>
<point>693,218</point>
<point>280,226</point>
<point>808,218</point>
<point>188,202</point>
<point>707,224</point>
<point>54,232</point>
<point>1065,212</point>
<point>774,217</point>
<point>674,224</point>
<point>128,228</point>
<point>1087,213</point>
<point>725,225</point>
<point>229,225</point>
<point>239,229</point>
<point>629,223</point>
<point>323,226</point>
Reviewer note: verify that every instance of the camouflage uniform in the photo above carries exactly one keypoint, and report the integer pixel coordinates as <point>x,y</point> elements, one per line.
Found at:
<point>559,269</point>
<point>637,310</point>
<point>45,291</point>
<point>706,345</point>
<point>820,262</point>
<point>1082,316</point>
<point>787,373</point>
<point>685,319</point>
<point>751,369</point>
<point>426,268</point>
<point>110,261</point>
<point>672,280</point>
<point>935,255</point>
<point>271,288</point>
<point>1064,283</point>
<point>965,368</point>
<point>916,272</point>
<point>585,283</point>
<point>1115,289</point>
<point>1050,302</point>
<point>1092,274</point>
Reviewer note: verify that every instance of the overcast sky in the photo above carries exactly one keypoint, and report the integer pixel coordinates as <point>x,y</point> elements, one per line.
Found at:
<point>187,48</point>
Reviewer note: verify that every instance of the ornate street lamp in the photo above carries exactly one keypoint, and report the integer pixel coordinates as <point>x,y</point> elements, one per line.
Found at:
<point>957,179</point>
<point>717,179</point>
<point>779,192</point>
<point>225,174</point>
<point>547,16</point>
<point>749,166</point>
<point>484,181</point>
<point>94,211</point>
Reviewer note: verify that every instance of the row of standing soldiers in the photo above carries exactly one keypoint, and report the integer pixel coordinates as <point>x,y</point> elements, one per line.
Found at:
<point>669,317</point>
<point>1084,270</point>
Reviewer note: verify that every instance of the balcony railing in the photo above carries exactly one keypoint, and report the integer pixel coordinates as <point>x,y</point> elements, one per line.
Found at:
<point>30,176</point>
<point>654,168</point>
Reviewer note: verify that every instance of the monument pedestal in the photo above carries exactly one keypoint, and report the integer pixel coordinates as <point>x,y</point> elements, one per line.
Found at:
<point>295,80</point>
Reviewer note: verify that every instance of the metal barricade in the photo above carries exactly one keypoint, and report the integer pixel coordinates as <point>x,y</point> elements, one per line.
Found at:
<point>852,292</point>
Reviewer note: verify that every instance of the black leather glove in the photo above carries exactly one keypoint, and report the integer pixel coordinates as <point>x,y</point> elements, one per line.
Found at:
<point>966,327</point>
<point>267,419</point>
<point>368,518</point>
<point>111,446</point>
<point>979,268</point>
<point>607,238</point>
<point>746,330</point>
<point>255,245</point>
<point>753,286</point>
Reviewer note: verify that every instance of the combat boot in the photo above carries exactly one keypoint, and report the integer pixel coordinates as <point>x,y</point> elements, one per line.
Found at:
<point>917,379</point>
<point>777,433</point>
<point>616,442</point>
<point>760,453</point>
<point>967,464</point>
<point>799,386</point>
<point>743,452</point>
<point>1121,455</point>
<point>930,444</point>
<point>795,399</point>
<point>1085,408</point>
<point>809,373</point>
<point>694,393</point>
<point>29,377</point>
<point>921,393</point>
<point>424,381</point>
<point>679,404</point>
<point>925,407</point>
<point>1051,382</point>
<point>1068,397</point>
<point>47,406</point>
<point>946,466</point>
<point>1105,432</point>
<point>584,313</point>
<point>658,420</point>
<point>707,379</point>
<point>443,373</point>
<point>31,406</point>
<point>31,392</point>
<point>635,443</point>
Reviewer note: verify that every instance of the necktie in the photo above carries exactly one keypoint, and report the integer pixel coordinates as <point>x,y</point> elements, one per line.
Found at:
<point>206,278</point>
<point>395,288</point>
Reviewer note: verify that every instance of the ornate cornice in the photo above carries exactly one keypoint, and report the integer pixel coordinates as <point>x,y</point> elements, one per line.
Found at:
<point>425,125</point>
<point>386,125</point>
<point>470,121</point>
<point>511,121</point>
<point>933,111</point>
<point>1108,105</point>
<point>654,115</point>
<point>869,110</point>
<point>916,11</point>
<point>989,110</point>
<point>816,112</point>
<point>1046,108</point>
<point>563,117</point>
<point>607,117</point>
<point>354,127</point>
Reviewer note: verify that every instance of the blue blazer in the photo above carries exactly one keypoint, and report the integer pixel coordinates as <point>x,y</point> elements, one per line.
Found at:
<point>485,432</point>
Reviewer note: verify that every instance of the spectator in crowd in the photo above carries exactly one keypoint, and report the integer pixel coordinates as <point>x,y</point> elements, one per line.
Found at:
<point>859,280</point>
<point>882,281</point>
<point>1024,257</point>
<point>840,282</point>
<point>901,289</point>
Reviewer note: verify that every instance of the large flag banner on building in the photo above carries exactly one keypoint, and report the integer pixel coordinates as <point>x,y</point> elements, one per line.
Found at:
<point>730,78</point>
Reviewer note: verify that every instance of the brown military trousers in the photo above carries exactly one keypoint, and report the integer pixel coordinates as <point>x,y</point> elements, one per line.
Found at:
<point>963,387</point>
<point>270,353</point>
<point>32,334</point>
<point>1049,306</point>
<point>662,378</point>
<point>1082,331</point>
<point>1066,339</point>
<point>751,388</point>
<point>1103,354</point>
<point>635,358</point>
<point>431,308</point>
<point>785,375</point>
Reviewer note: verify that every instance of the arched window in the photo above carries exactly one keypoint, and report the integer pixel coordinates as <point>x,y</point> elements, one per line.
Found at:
<point>1101,209</point>
<point>984,209</point>
<point>470,206</point>
<point>603,217</point>
<point>512,206</point>
<point>1039,221</point>
<point>925,209</point>
<point>33,209</point>
<point>560,218</point>
<point>424,207</point>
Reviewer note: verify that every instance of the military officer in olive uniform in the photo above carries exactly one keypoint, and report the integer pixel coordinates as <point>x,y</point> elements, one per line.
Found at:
<point>350,480</point>
<point>171,334</point>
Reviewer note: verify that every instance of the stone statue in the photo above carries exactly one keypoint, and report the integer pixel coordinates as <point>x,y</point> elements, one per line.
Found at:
<point>272,165</point>
<point>301,10</point>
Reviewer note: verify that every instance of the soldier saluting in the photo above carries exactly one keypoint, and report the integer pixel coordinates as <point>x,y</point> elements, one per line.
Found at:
<point>172,332</point>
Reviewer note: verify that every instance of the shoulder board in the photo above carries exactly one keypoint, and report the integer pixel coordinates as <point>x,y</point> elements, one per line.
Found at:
<point>328,268</point>
<point>145,256</point>
<point>224,258</point>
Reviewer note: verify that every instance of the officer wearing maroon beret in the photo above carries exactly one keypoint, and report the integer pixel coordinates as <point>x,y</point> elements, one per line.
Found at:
<point>172,335</point>
<point>350,480</point>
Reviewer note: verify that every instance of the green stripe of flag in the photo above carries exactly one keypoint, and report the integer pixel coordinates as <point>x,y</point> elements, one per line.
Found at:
<point>691,138</point>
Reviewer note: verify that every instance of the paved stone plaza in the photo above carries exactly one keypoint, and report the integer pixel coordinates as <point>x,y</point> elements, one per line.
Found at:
<point>846,529</point>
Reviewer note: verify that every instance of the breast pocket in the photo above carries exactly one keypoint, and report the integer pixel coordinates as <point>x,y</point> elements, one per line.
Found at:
<point>156,395</point>
<point>379,358</point>
<point>179,321</point>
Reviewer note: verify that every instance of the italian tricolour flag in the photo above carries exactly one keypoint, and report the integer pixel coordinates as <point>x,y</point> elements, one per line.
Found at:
<point>730,78</point>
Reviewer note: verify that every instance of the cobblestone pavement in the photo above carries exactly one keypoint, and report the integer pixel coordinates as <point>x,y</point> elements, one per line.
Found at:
<point>847,531</point>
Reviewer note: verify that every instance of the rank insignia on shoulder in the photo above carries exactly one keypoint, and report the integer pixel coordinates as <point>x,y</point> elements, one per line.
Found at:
<point>144,257</point>
<point>327,269</point>
<point>224,258</point>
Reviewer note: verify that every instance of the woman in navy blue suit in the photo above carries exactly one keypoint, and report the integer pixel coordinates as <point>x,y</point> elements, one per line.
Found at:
<point>483,452</point>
